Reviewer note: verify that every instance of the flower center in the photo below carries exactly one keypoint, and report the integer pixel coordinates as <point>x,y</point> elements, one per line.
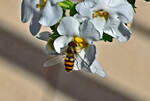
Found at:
<point>101,13</point>
<point>41,4</point>
<point>81,42</point>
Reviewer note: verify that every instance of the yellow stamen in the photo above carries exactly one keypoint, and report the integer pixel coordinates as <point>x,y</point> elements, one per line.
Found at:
<point>100,12</point>
<point>42,4</point>
<point>94,15</point>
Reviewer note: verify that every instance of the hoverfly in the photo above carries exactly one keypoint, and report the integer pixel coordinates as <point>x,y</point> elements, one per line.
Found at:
<point>71,56</point>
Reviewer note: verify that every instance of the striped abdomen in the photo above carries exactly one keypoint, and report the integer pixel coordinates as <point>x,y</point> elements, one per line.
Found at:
<point>69,62</point>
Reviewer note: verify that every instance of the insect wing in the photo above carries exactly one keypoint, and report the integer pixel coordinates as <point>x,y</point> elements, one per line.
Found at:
<point>51,61</point>
<point>95,67</point>
<point>81,64</point>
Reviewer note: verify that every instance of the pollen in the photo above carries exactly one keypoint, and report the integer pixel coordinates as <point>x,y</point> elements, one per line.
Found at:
<point>94,15</point>
<point>41,4</point>
<point>81,45</point>
<point>101,13</point>
<point>78,39</point>
<point>77,48</point>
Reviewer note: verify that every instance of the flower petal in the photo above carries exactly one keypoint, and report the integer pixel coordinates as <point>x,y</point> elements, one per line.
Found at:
<point>108,3</point>
<point>99,24</point>
<point>44,36</point>
<point>112,24</point>
<point>100,4</point>
<point>69,26</point>
<point>114,3</point>
<point>84,8</point>
<point>120,7</point>
<point>118,30</point>
<point>96,68</point>
<point>88,31</point>
<point>80,18</point>
<point>51,14</point>
<point>125,12</point>
<point>125,33</point>
<point>56,1</point>
<point>90,54</point>
<point>34,24</point>
<point>61,42</point>
<point>26,11</point>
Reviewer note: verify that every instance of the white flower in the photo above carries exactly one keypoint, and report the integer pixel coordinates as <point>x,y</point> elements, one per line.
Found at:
<point>109,16</point>
<point>41,12</point>
<point>71,30</point>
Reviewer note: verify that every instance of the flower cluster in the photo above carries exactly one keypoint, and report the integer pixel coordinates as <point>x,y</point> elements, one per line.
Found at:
<point>74,33</point>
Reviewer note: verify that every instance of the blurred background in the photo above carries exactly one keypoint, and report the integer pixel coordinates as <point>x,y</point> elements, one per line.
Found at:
<point>22,77</point>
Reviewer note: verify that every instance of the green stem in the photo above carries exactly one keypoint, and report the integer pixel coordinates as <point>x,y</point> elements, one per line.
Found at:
<point>66,4</point>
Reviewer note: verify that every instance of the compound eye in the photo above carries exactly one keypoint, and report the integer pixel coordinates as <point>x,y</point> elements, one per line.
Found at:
<point>72,43</point>
<point>69,44</point>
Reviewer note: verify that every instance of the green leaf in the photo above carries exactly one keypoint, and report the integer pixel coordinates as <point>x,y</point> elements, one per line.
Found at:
<point>132,2</point>
<point>71,4</point>
<point>64,13</point>
<point>52,39</point>
<point>73,10</point>
<point>107,37</point>
<point>66,4</point>
<point>53,36</point>
<point>147,0</point>
<point>54,29</point>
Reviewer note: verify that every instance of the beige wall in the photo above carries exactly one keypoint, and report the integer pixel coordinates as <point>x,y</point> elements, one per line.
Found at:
<point>22,77</point>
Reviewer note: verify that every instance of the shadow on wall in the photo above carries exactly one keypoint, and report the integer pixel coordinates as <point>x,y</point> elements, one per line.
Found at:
<point>76,85</point>
<point>144,30</point>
